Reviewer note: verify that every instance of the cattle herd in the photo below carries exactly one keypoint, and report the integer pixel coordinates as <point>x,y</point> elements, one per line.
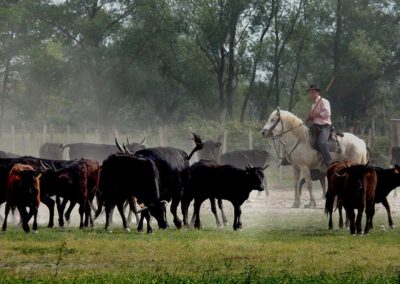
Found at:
<point>100,177</point>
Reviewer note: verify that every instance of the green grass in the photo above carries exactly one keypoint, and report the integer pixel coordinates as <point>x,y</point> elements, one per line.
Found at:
<point>294,247</point>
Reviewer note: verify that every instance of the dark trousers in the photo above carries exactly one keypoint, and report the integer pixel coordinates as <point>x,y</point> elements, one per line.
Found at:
<point>322,143</point>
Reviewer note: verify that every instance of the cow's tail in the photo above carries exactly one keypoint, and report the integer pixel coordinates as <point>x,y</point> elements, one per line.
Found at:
<point>199,144</point>
<point>329,200</point>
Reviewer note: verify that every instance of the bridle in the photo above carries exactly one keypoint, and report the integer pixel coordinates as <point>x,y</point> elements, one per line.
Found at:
<point>279,135</point>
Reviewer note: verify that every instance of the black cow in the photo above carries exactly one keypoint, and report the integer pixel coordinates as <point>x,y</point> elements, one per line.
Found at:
<point>23,190</point>
<point>211,180</point>
<point>173,166</point>
<point>388,179</point>
<point>98,152</point>
<point>124,177</point>
<point>52,151</point>
<point>7,155</point>
<point>240,159</point>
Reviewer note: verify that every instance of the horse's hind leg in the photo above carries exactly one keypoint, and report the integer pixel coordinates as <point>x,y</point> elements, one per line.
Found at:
<point>323,185</point>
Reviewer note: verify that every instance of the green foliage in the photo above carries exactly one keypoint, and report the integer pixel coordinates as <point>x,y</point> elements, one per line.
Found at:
<point>161,62</point>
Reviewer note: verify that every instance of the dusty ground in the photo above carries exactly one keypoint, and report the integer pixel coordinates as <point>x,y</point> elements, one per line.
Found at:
<point>278,203</point>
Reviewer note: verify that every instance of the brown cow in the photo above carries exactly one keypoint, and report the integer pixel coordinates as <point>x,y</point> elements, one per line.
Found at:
<point>358,192</point>
<point>335,190</point>
<point>23,190</point>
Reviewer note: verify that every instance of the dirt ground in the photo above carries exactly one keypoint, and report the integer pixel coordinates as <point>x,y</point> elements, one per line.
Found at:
<point>278,203</point>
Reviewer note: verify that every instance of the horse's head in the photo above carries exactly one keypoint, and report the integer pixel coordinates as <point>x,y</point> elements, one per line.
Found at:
<point>273,124</point>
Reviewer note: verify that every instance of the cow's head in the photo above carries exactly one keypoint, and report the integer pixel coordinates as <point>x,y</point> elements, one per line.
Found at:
<point>255,177</point>
<point>52,151</point>
<point>354,175</point>
<point>158,211</point>
<point>134,147</point>
<point>211,150</point>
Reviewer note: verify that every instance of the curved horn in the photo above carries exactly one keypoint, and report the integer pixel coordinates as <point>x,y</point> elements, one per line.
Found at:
<point>266,166</point>
<point>249,166</point>
<point>126,150</point>
<point>347,165</point>
<point>118,146</point>
<point>44,165</point>
<point>340,173</point>
<point>144,140</point>
<point>127,141</point>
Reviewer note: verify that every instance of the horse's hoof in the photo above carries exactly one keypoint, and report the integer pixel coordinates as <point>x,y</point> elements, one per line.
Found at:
<point>34,231</point>
<point>127,230</point>
<point>109,231</point>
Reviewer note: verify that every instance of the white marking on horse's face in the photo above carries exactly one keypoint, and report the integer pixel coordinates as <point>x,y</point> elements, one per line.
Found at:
<point>267,130</point>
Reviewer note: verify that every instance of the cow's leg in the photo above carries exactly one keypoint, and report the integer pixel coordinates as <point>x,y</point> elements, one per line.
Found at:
<point>50,204</point>
<point>369,212</point>
<point>108,208</point>
<point>140,224</point>
<point>120,206</point>
<point>214,211</point>
<point>237,224</point>
<point>296,175</point>
<point>174,206</point>
<point>67,214</point>
<point>132,208</point>
<point>24,217</point>
<point>385,204</point>
<point>340,210</point>
<point>221,207</point>
<point>185,211</point>
<point>330,223</point>
<point>360,213</point>
<point>34,225</point>
<point>88,214</point>
<point>197,205</point>
<point>81,213</point>
<point>351,216</point>
<point>60,209</point>
<point>146,214</point>
<point>6,212</point>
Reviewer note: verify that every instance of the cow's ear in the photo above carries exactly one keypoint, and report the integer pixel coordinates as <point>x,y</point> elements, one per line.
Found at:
<point>396,169</point>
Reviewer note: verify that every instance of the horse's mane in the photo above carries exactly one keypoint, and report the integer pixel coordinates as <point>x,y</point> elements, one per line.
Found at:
<point>291,121</point>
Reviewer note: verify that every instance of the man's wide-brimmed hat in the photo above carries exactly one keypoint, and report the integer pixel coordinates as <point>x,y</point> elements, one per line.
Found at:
<point>314,87</point>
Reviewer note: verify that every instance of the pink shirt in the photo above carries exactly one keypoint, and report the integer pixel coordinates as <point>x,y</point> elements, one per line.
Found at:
<point>323,109</point>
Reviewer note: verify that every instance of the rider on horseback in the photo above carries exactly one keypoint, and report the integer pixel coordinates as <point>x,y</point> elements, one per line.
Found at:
<point>320,117</point>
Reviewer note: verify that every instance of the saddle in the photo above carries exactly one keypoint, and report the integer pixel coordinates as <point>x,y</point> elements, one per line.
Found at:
<point>333,141</point>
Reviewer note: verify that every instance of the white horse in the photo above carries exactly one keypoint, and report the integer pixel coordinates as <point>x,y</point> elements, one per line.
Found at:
<point>295,136</point>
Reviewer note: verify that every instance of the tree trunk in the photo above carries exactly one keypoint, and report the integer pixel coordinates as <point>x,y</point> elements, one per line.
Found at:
<point>336,45</point>
<point>4,93</point>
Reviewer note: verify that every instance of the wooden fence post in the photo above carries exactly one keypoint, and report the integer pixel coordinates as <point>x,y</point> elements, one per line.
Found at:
<point>44,133</point>
<point>161,135</point>
<point>250,140</point>
<point>13,138</point>
<point>225,141</point>
<point>68,135</point>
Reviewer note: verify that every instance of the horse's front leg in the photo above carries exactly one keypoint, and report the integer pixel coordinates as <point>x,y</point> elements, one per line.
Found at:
<point>296,175</point>
<point>307,177</point>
